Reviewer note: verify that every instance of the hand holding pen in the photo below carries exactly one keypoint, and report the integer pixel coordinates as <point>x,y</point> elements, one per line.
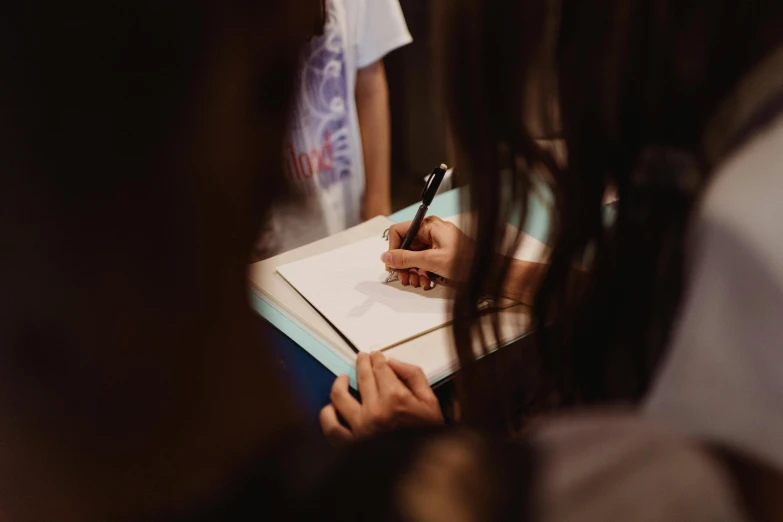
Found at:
<point>428,194</point>
<point>434,250</point>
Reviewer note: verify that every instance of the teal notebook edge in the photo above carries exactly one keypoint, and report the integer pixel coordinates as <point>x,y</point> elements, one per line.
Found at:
<point>444,205</point>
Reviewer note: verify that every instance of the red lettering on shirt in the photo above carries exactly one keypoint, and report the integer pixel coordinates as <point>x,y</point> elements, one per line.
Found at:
<point>304,165</point>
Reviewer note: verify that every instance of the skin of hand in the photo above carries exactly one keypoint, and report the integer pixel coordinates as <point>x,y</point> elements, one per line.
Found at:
<point>435,249</point>
<point>394,395</point>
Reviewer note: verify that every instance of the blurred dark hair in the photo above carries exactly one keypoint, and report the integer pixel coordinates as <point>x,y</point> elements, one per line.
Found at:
<point>627,77</point>
<point>93,84</point>
<point>93,92</point>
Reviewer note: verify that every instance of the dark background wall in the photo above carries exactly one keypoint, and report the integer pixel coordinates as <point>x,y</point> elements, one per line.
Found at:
<point>418,125</point>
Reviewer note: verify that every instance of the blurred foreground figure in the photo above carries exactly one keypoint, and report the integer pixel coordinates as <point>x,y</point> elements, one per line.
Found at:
<point>674,302</point>
<point>131,141</point>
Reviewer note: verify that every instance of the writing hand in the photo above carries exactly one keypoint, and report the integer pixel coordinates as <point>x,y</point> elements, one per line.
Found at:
<point>437,248</point>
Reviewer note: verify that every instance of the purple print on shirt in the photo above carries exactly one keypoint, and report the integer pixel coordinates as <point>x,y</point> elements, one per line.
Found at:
<point>320,139</point>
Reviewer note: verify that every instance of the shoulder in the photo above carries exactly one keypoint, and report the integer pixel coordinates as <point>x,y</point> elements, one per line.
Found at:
<point>352,12</point>
<point>720,379</point>
<point>379,27</point>
<point>745,197</point>
<point>641,470</point>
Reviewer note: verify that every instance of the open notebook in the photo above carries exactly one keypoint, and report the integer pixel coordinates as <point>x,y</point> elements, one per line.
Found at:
<point>347,286</point>
<point>335,290</point>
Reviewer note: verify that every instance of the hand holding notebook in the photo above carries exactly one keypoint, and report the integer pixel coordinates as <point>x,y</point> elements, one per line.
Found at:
<point>432,351</point>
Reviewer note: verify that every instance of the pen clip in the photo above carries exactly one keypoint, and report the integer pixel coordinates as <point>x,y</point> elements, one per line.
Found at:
<point>433,184</point>
<point>430,179</point>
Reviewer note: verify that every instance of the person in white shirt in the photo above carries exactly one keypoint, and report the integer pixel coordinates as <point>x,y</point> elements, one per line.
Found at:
<point>337,155</point>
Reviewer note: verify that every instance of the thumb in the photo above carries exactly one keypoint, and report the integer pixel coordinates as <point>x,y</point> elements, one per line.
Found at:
<point>409,259</point>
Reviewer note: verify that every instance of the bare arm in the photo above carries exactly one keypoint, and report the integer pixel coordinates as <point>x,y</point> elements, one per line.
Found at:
<point>525,277</point>
<point>523,280</point>
<point>372,104</point>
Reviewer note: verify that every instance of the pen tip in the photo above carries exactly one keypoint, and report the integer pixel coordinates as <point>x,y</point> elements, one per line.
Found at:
<point>443,166</point>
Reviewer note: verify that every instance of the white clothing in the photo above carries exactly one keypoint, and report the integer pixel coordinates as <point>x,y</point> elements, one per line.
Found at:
<point>612,467</point>
<point>722,379</point>
<point>323,155</point>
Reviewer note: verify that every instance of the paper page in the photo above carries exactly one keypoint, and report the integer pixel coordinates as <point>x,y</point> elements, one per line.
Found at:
<point>347,286</point>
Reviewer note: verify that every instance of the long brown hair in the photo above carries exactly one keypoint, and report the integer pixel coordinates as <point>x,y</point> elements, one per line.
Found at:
<point>621,80</point>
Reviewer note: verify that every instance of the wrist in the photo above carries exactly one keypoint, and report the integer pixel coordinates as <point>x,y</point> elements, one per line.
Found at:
<point>523,280</point>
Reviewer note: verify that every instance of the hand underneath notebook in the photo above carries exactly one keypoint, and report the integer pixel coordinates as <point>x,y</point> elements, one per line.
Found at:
<point>435,249</point>
<point>394,395</point>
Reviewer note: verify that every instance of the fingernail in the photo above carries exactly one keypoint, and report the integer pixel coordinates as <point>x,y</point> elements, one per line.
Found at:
<point>432,284</point>
<point>386,257</point>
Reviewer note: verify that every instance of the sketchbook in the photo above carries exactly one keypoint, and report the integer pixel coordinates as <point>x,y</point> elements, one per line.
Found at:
<point>334,289</point>
<point>347,286</point>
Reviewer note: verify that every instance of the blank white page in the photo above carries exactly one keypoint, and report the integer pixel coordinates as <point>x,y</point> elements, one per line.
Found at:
<point>346,286</point>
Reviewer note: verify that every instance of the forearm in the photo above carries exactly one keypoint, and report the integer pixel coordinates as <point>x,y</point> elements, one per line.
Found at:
<point>372,104</point>
<point>523,280</point>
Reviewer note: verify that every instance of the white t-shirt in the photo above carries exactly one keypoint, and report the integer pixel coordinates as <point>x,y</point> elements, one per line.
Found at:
<point>722,379</point>
<point>323,155</point>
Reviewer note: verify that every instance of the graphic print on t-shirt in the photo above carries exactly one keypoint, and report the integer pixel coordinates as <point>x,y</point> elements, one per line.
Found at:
<point>323,154</point>
<point>319,154</point>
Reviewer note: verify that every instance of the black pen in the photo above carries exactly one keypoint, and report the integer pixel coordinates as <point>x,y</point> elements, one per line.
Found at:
<point>430,189</point>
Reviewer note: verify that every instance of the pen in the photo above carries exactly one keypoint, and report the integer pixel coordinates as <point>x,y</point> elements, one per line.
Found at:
<point>430,189</point>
